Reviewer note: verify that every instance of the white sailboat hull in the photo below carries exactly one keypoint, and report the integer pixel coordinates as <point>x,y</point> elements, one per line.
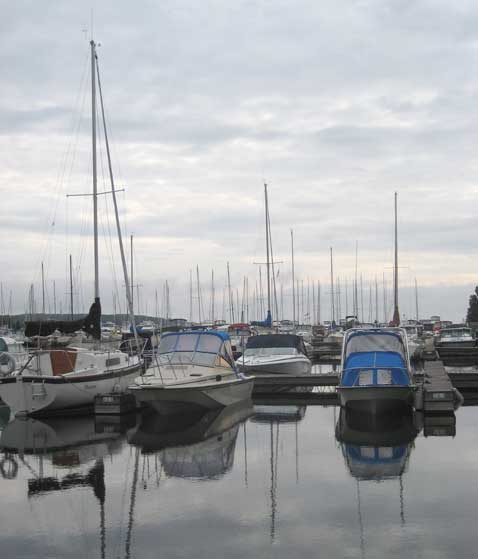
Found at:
<point>34,394</point>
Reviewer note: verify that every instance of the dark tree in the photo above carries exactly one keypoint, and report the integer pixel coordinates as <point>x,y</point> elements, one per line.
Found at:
<point>472,314</point>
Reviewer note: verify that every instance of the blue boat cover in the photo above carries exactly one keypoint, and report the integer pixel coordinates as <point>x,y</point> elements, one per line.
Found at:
<point>220,333</point>
<point>375,358</point>
<point>370,359</point>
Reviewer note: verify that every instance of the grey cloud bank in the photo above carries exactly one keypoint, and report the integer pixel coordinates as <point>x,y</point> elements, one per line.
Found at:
<point>336,105</point>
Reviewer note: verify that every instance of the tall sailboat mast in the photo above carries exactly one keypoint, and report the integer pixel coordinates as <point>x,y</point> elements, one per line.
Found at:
<point>268,264</point>
<point>42,290</point>
<point>95,180</point>
<point>416,300</point>
<point>71,290</point>
<point>129,291</point>
<point>293,277</point>
<point>396,312</point>
<point>332,308</point>
<point>355,297</point>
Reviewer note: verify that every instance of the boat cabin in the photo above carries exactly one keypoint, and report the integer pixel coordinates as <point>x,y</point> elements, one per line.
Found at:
<point>201,348</point>
<point>375,357</point>
<point>274,344</point>
<point>456,334</point>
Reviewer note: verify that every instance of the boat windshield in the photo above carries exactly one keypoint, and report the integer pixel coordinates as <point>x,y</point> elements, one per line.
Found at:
<point>269,351</point>
<point>456,333</point>
<point>198,349</point>
<point>375,341</point>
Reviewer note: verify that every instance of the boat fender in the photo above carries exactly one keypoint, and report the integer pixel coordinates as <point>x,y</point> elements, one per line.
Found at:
<point>218,378</point>
<point>7,363</point>
<point>8,468</point>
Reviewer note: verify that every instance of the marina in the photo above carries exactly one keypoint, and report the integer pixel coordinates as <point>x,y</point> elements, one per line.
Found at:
<point>238,292</point>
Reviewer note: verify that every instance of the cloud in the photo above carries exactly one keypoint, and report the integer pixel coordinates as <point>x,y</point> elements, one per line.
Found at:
<point>336,106</point>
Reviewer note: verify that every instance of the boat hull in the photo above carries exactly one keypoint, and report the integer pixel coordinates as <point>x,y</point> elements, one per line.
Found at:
<point>443,346</point>
<point>166,399</point>
<point>47,395</point>
<point>376,399</point>
<point>296,367</point>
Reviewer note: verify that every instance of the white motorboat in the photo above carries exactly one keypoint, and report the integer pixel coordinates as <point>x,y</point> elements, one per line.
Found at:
<point>415,343</point>
<point>449,338</point>
<point>66,379</point>
<point>192,369</point>
<point>376,375</point>
<point>283,354</point>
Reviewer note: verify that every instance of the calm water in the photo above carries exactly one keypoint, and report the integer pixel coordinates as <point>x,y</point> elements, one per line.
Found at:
<point>288,481</point>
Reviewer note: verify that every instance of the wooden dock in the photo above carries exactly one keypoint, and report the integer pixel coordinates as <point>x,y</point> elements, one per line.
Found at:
<point>436,393</point>
<point>439,395</point>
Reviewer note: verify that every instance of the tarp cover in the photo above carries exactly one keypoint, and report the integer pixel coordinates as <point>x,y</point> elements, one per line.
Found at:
<point>91,324</point>
<point>360,342</point>
<point>277,340</point>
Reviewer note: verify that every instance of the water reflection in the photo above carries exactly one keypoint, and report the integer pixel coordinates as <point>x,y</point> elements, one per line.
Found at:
<point>278,414</point>
<point>199,444</point>
<point>62,454</point>
<point>64,442</point>
<point>375,447</point>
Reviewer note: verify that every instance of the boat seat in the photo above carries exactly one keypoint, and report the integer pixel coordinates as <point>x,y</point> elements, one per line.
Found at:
<point>62,361</point>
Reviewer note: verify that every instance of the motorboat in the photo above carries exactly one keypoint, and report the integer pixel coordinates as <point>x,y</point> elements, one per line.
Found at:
<point>415,343</point>
<point>452,338</point>
<point>306,335</point>
<point>375,375</point>
<point>190,369</point>
<point>239,334</point>
<point>283,354</point>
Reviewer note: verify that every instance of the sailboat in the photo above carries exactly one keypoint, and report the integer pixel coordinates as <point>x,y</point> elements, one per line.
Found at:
<point>273,353</point>
<point>59,380</point>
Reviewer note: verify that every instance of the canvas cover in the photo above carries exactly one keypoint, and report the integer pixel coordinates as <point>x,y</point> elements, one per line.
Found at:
<point>91,324</point>
<point>277,340</point>
<point>368,342</point>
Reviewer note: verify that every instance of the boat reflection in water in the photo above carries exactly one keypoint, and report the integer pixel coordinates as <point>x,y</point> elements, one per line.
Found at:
<point>68,440</point>
<point>197,444</point>
<point>64,454</point>
<point>375,447</point>
<point>278,414</point>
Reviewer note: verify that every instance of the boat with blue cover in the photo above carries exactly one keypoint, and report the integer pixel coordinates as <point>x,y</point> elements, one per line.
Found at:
<point>191,369</point>
<point>376,375</point>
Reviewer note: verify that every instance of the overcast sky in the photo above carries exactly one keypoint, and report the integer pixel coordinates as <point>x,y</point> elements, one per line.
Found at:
<point>335,104</point>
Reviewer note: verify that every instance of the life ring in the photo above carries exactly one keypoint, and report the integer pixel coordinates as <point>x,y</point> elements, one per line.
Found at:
<point>8,468</point>
<point>7,363</point>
